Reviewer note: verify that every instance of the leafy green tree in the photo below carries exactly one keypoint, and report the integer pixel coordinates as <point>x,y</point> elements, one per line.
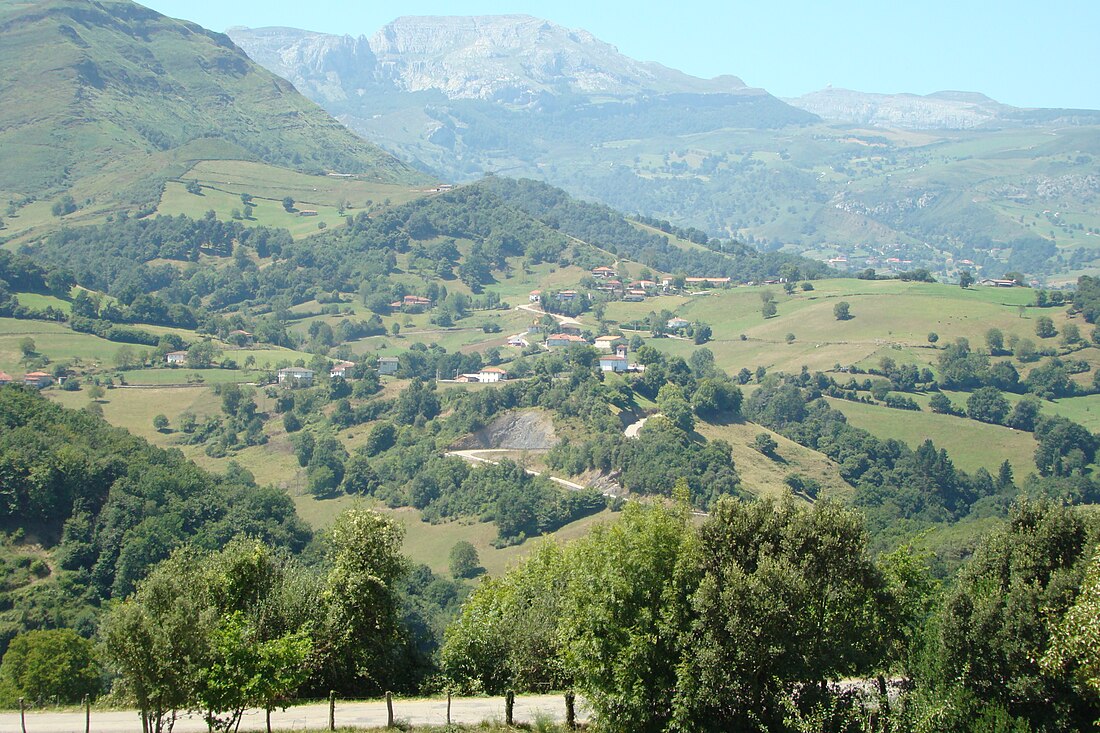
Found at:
<point>47,665</point>
<point>27,347</point>
<point>766,444</point>
<point>966,279</point>
<point>201,355</point>
<point>288,204</point>
<point>1000,618</point>
<point>1044,327</point>
<point>155,641</point>
<point>787,595</point>
<point>675,407</point>
<point>842,311</point>
<point>769,309</point>
<point>995,340</point>
<point>1075,640</point>
<point>160,423</point>
<point>941,403</point>
<point>1071,334</point>
<point>463,559</point>
<point>987,405</point>
<point>625,641</point>
<point>364,620</point>
<point>933,337</point>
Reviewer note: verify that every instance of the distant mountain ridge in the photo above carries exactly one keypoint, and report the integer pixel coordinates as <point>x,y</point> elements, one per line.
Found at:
<point>947,110</point>
<point>506,58</point>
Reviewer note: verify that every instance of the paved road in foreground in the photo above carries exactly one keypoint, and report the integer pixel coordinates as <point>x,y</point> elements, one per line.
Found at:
<point>313,717</point>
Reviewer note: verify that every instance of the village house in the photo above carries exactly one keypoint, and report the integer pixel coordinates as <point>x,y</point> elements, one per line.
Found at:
<point>536,327</point>
<point>603,272</point>
<point>567,295</point>
<point>37,379</point>
<point>517,341</point>
<point>677,323</point>
<point>176,357</point>
<point>5,379</point>
<point>573,328</point>
<point>535,296</point>
<point>707,280</point>
<point>644,284</point>
<point>295,376</point>
<point>241,338</point>
<point>634,296</point>
<point>491,374</point>
<point>411,303</point>
<point>564,339</point>
<point>387,365</point>
<point>608,343</point>
<point>342,370</point>
<point>999,283</point>
<point>307,212</point>
<point>467,379</point>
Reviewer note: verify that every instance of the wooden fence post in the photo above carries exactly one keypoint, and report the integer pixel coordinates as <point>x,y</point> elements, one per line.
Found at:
<point>22,716</point>
<point>332,710</point>
<point>448,707</point>
<point>389,709</point>
<point>509,707</point>
<point>87,714</point>
<point>570,710</point>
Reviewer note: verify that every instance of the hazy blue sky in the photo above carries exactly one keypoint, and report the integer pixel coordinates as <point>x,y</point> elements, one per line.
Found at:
<point>1030,54</point>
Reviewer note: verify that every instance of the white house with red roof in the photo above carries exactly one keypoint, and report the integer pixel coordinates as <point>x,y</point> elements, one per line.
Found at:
<point>491,374</point>
<point>5,378</point>
<point>37,379</point>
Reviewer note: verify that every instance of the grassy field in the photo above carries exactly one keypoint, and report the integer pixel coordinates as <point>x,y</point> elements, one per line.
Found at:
<point>764,476</point>
<point>970,444</point>
<point>222,182</point>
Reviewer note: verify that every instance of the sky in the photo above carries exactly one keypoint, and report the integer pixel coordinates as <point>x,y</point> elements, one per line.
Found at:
<point>1024,53</point>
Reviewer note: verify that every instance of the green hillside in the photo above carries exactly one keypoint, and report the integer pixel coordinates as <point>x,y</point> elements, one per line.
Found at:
<point>105,101</point>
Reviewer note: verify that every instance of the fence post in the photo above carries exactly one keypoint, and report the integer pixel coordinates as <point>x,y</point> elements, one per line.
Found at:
<point>22,716</point>
<point>87,714</point>
<point>389,709</point>
<point>570,711</point>
<point>332,710</point>
<point>448,707</point>
<point>509,707</point>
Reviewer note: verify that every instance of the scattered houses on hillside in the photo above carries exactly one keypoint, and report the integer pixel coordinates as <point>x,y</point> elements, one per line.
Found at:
<point>295,376</point>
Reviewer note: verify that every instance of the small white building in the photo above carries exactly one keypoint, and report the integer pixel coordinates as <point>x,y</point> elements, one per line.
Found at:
<point>295,376</point>
<point>564,339</point>
<point>39,380</point>
<point>176,357</point>
<point>608,343</point>
<point>535,296</point>
<point>387,365</point>
<point>491,374</point>
<point>613,363</point>
<point>677,323</point>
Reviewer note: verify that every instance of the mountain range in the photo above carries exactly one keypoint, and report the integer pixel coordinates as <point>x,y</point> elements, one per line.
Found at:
<point>869,179</point>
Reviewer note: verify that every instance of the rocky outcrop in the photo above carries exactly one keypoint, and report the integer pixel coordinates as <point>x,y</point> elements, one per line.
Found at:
<point>506,58</point>
<point>939,111</point>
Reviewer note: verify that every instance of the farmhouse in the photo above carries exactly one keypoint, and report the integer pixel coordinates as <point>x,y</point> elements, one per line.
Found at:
<point>387,365</point>
<point>999,283</point>
<point>491,374</point>
<point>37,379</point>
<point>307,212</point>
<point>5,378</point>
<point>567,295</point>
<point>564,339</point>
<point>573,328</point>
<point>517,341</point>
<point>707,280</point>
<point>176,357</point>
<point>608,343</point>
<point>603,272</point>
<point>411,302</point>
<point>342,369</point>
<point>677,323</point>
<point>467,379</point>
<point>295,376</point>
<point>240,337</point>
<point>535,296</point>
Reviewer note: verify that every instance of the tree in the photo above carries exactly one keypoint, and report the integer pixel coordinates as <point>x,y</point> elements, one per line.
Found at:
<point>788,288</point>
<point>625,641</point>
<point>288,204</point>
<point>1071,334</point>
<point>1075,640</point>
<point>769,309</point>
<point>51,665</point>
<point>966,279</point>
<point>940,403</point>
<point>933,337</point>
<point>201,355</point>
<point>156,639</point>
<point>675,407</point>
<point>786,595</point>
<point>841,311</point>
<point>395,329</point>
<point>194,187</point>
<point>1044,327</point>
<point>363,624</point>
<point>702,333</point>
<point>160,422</point>
<point>766,444</point>
<point>464,562</point>
<point>995,340</point>
<point>987,405</point>
<point>96,392</point>
<point>27,347</point>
